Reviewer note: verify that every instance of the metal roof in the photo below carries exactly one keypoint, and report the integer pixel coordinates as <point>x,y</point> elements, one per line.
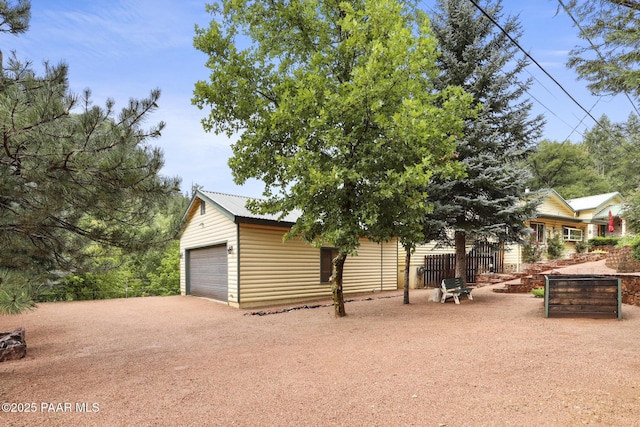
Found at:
<point>616,210</point>
<point>235,207</point>
<point>591,202</point>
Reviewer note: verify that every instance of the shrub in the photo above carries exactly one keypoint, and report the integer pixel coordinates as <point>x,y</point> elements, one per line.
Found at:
<point>603,241</point>
<point>582,247</point>
<point>629,240</point>
<point>538,292</point>
<point>555,247</point>
<point>531,250</point>
<point>635,251</point>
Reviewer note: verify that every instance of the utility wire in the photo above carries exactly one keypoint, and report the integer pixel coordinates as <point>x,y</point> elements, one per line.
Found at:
<point>593,46</point>
<point>575,101</point>
<point>519,84</point>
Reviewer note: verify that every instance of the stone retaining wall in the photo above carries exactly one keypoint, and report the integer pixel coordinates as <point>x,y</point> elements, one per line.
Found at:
<point>620,260</point>
<point>485,279</point>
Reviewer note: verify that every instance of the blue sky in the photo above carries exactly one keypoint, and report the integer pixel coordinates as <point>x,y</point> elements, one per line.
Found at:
<point>125,48</point>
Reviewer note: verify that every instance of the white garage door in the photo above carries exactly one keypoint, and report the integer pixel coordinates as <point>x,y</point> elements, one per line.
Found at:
<point>208,272</point>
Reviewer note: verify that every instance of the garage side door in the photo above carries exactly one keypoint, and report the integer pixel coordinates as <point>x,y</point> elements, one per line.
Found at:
<point>208,272</point>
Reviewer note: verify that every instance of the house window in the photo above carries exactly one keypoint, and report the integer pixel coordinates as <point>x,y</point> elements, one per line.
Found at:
<point>538,231</point>
<point>572,234</point>
<point>203,207</point>
<point>326,263</point>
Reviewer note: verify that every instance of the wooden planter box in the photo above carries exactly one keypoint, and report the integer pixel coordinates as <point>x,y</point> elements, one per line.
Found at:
<point>583,296</point>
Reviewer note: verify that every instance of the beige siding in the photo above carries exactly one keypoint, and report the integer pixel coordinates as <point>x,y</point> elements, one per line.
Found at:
<point>512,257</point>
<point>212,228</point>
<point>417,260</point>
<point>587,214</point>
<point>553,206</point>
<point>273,271</point>
<point>373,269</point>
<point>553,227</point>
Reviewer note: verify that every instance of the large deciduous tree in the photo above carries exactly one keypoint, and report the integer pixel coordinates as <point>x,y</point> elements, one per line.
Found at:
<point>567,168</point>
<point>488,203</point>
<point>336,113</point>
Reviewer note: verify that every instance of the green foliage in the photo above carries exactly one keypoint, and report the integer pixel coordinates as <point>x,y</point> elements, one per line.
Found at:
<point>603,241</point>
<point>608,59</point>
<point>538,292</point>
<point>74,178</point>
<point>485,203</point>
<point>582,247</point>
<point>72,172</point>
<point>165,280</point>
<point>15,18</point>
<point>628,240</point>
<point>531,249</point>
<point>635,250</point>
<point>632,212</point>
<point>555,247</point>
<point>337,112</point>
<point>16,294</point>
<point>567,168</point>
<point>119,275</point>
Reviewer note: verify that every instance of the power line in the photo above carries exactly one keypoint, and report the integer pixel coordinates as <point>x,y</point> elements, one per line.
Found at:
<point>593,46</point>
<point>575,101</point>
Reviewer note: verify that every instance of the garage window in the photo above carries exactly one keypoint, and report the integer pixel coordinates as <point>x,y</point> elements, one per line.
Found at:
<point>326,263</point>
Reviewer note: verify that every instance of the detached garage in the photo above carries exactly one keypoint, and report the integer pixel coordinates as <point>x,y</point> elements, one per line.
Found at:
<point>230,255</point>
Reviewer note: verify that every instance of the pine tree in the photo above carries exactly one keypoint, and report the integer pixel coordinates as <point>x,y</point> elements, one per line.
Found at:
<point>72,173</point>
<point>608,59</point>
<point>488,203</point>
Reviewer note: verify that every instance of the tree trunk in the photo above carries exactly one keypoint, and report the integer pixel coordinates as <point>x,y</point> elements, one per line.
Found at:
<point>461,255</point>
<point>407,263</point>
<point>336,285</point>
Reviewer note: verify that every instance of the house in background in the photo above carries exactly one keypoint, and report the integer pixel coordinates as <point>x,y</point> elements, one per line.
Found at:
<point>576,220</point>
<point>602,213</point>
<point>239,258</point>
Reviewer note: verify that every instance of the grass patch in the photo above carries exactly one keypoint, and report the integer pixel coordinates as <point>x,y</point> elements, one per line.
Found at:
<point>538,292</point>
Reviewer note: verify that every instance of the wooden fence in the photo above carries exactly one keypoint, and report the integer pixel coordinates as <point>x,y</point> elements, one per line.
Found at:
<point>480,259</point>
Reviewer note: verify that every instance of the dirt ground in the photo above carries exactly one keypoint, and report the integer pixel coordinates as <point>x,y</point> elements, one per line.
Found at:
<point>187,361</point>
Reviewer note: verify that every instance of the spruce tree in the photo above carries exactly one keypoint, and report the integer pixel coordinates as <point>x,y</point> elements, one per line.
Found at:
<point>488,203</point>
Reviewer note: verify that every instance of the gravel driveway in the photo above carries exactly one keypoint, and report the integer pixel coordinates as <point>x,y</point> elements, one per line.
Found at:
<point>186,361</point>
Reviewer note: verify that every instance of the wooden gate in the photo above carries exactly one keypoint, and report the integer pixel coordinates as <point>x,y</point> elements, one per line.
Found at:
<point>481,259</point>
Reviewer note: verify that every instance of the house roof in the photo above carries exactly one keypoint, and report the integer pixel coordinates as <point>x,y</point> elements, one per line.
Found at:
<point>592,202</point>
<point>235,208</point>
<point>616,210</point>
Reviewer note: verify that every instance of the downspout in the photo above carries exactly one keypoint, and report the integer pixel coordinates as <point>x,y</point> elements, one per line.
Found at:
<point>238,262</point>
<point>381,266</point>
